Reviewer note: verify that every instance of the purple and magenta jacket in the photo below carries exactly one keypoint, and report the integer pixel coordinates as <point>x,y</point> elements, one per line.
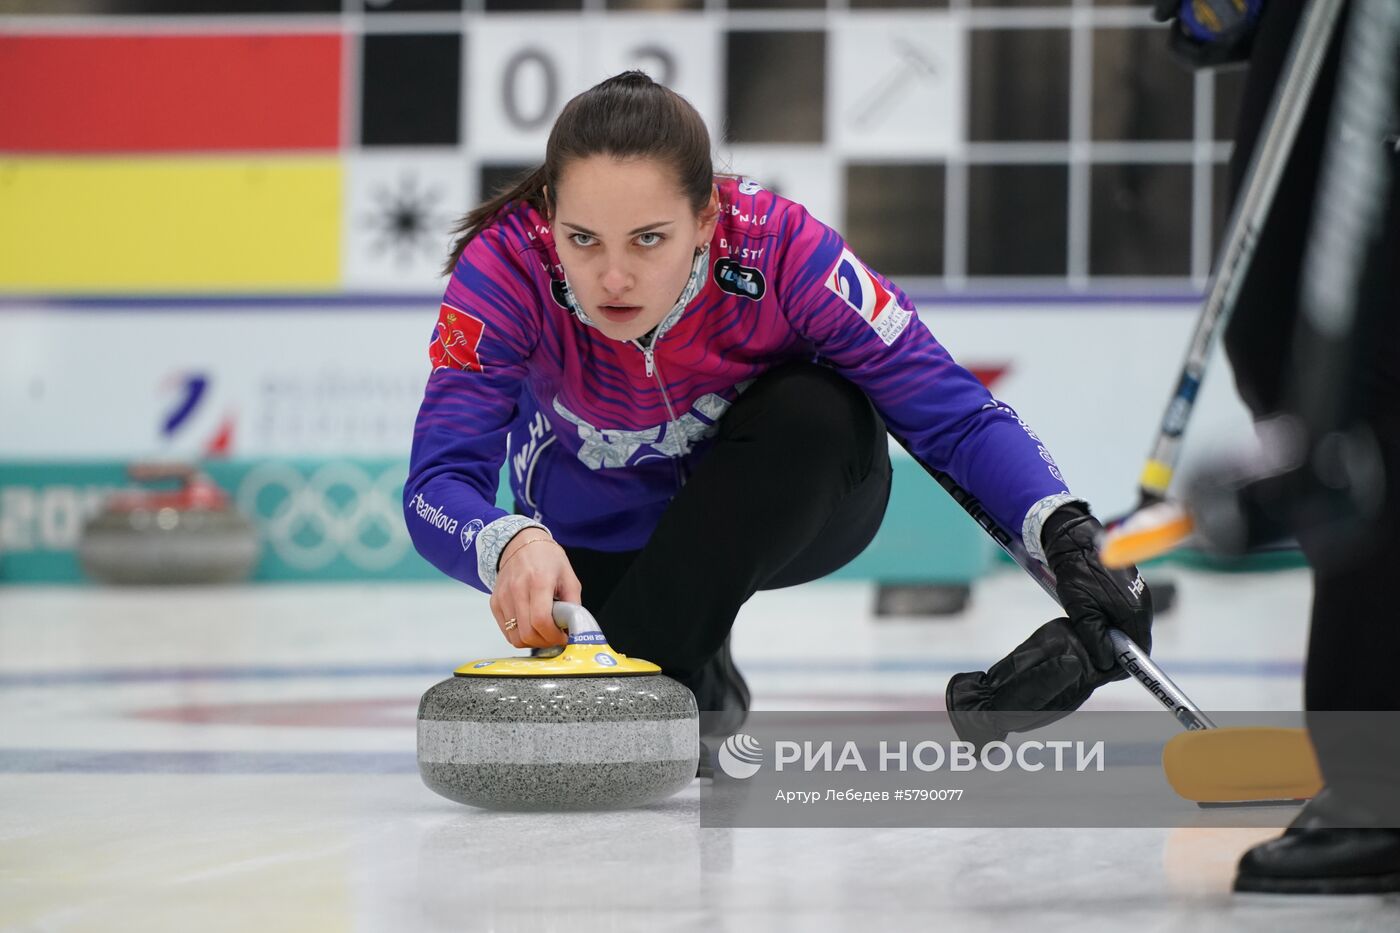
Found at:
<point>601,433</point>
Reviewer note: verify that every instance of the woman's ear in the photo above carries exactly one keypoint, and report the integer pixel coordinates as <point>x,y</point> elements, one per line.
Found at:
<point>709,216</point>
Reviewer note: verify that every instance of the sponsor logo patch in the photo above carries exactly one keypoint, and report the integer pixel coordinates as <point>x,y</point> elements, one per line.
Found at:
<point>456,341</point>
<point>850,279</point>
<point>559,292</point>
<point>470,531</point>
<point>744,281</point>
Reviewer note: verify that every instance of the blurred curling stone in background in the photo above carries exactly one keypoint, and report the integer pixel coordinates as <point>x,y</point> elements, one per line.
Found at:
<point>178,528</point>
<point>584,729</point>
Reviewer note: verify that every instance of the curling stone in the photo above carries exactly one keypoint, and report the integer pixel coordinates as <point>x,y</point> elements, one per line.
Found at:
<point>585,729</point>
<point>190,533</point>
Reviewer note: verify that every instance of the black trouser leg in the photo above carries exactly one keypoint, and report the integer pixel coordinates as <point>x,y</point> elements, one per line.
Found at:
<point>1355,636</point>
<point>794,487</point>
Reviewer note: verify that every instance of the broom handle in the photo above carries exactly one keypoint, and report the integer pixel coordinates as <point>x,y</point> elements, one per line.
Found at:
<point>1251,212</point>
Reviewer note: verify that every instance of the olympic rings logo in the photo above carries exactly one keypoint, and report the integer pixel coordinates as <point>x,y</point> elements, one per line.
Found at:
<point>339,510</point>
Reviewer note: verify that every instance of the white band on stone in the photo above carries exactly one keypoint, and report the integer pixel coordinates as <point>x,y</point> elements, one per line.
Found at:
<point>1035,521</point>
<point>493,539</point>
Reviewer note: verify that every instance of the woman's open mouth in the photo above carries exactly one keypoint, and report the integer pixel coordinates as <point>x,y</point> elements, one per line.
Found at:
<point>619,313</point>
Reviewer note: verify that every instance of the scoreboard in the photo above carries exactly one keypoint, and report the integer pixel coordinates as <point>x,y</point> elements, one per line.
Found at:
<point>958,144</point>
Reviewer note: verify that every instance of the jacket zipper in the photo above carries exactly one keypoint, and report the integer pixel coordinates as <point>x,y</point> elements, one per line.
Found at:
<point>649,359</point>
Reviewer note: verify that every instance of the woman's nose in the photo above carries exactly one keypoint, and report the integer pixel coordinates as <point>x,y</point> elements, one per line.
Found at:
<point>616,280</point>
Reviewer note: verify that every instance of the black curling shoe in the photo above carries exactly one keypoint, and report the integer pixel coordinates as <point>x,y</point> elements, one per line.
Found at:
<point>721,694</point>
<point>705,767</point>
<point>1313,856</point>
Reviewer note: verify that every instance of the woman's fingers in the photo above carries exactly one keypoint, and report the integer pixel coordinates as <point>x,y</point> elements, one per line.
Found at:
<point>547,631</point>
<point>570,589</point>
<point>506,621</point>
<point>524,589</point>
<point>528,583</point>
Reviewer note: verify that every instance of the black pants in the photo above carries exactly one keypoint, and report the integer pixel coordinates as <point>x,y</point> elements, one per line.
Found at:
<point>1355,636</point>
<point>794,487</point>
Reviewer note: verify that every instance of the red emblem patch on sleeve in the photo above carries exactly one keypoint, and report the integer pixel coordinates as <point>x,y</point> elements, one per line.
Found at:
<point>456,340</point>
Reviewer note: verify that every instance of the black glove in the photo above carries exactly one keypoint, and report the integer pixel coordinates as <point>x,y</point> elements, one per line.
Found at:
<point>1206,33</point>
<point>1094,597</point>
<point>1053,672</point>
<point>1047,677</point>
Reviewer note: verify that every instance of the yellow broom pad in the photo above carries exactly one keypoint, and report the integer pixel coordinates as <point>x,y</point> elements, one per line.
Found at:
<point>1149,533</point>
<point>1240,764</point>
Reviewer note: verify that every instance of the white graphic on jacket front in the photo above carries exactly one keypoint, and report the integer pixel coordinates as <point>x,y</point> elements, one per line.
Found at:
<point>609,448</point>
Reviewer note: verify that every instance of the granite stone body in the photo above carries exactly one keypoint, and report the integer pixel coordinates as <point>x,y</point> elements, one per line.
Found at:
<point>168,546</point>
<point>558,743</point>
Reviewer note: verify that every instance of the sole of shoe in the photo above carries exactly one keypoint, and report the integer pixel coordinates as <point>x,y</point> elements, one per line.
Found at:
<point>1357,884</point>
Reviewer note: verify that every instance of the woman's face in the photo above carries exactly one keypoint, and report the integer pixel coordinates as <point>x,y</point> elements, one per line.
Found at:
<point>627,237</point>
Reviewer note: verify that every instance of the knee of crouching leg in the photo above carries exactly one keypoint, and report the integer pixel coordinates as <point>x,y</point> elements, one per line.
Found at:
<point>817,415</point>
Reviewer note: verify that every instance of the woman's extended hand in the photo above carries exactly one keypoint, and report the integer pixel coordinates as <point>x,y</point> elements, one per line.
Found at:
<point>534,571</point>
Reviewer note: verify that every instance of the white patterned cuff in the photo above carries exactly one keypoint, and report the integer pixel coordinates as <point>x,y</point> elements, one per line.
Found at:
<point>492,540</point>
<point>1035,521</point>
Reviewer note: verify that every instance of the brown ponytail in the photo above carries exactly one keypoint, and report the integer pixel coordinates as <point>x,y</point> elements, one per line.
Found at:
<point>529,188</point>
<point>626,116</point>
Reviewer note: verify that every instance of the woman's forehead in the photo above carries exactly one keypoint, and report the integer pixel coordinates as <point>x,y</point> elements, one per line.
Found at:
<point>603,180</point>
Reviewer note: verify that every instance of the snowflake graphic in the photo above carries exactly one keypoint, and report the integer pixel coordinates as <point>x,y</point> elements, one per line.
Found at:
<point>406,222</point>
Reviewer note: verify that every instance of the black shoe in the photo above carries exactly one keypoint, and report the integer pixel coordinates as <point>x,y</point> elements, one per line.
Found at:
<point>1316,855</point>
<point>705,767</point>
<point>721,694</point>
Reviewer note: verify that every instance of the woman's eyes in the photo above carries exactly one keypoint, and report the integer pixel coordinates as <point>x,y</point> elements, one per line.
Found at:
<point>649,239</point>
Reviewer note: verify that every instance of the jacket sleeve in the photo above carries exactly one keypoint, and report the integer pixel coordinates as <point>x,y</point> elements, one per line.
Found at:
<point>867,328</point>
<point>487,328</point>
